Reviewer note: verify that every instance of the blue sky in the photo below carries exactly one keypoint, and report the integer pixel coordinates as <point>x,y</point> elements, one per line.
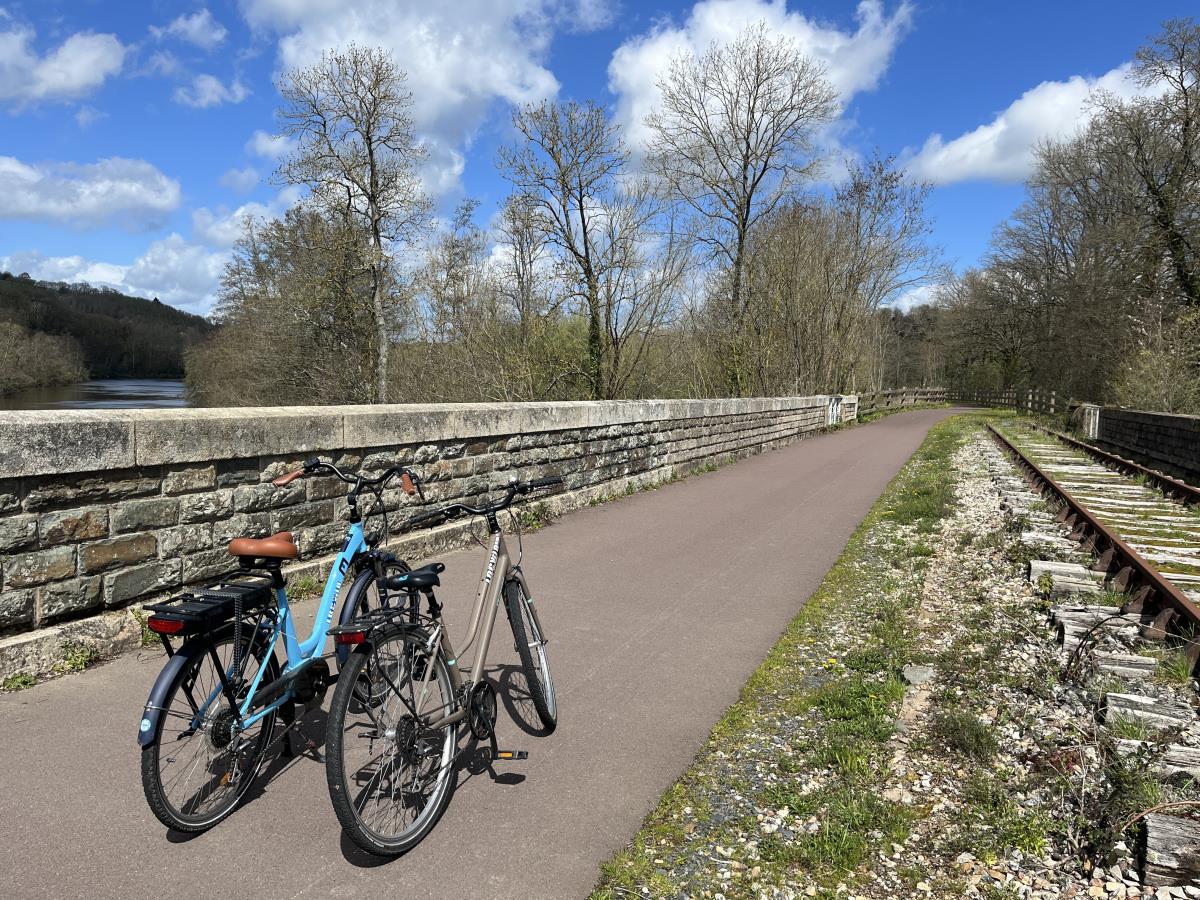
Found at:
<point>134,137</point>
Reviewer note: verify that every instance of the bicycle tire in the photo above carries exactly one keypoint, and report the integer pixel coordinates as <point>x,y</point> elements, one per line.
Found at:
<point>169,811</point>
<point>362,597</point>
<point>532,651</point>
<point>345,777</point>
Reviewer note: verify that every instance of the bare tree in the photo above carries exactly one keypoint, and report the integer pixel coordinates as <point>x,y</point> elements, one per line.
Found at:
<point>731,141</point>
<point>356,151</point>
<point>568,168</point>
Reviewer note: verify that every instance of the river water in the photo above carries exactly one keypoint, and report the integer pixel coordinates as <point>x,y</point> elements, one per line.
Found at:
<point>101,393</point>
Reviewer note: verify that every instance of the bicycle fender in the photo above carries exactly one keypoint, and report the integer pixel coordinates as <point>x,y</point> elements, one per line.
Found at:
<point>148,727</point>
<point>347,614</point>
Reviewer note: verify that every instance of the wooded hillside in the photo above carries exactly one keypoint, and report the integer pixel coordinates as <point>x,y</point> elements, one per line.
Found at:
<point>118,336</point>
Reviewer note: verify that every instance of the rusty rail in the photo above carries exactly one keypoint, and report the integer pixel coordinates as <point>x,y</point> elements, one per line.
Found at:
<point>1172,487</point>
<point>1128,572</point>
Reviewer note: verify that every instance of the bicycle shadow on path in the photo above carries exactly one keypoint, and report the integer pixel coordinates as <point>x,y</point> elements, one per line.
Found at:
<point>306,739</point>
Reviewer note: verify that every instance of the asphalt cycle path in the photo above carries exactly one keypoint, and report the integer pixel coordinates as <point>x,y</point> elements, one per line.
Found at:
<point>658,607</point>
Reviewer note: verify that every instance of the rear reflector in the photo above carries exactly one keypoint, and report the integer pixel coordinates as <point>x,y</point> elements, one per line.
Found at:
<point>165,626</point>
<point>350,637</point>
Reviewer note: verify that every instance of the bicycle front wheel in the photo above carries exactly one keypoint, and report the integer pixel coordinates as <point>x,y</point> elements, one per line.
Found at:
<point>531,648</point>
<point>390,772</point>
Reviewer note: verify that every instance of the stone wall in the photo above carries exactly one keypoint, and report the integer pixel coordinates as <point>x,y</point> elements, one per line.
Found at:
<point>1159,440</point>
<point>101,510</point>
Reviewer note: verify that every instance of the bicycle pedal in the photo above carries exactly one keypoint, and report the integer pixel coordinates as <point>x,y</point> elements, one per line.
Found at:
<point>509,755</point>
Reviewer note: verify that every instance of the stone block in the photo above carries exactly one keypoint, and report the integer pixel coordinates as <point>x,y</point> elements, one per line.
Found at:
<point>321,540</point>
<point>307,514</point>
<point>129,584</point>
<point>188,479</point>
<point>205,507</point>
<point>325,488</point>
<point>73,525</point>
<point>140,515</point>
<point>185,539</point>
<point>253,525</point>
<point>40,652</point>
<point>17,532</point>
<point>31,569</point>
<point>52,442</point>
<point>233,472</point>
<point>170,437</point>
<point>207,564</point>
<point>16,608</point>
<point>258,497</point>
<point>121,551</point>
<point>82,489</point>
<point>67,598</point>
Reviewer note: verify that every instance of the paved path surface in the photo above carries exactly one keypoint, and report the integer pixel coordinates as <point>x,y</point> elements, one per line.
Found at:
<point>659,607</point>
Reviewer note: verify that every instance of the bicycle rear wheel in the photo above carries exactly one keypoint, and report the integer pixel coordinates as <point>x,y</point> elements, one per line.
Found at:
<point>364,598</point>
<point>531,648</point>
<point>200,764</point>
<point>390,774</point>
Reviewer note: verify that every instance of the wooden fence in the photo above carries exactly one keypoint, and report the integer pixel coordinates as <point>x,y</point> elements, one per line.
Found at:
<point>1028,399</point>
<point>900,397</point>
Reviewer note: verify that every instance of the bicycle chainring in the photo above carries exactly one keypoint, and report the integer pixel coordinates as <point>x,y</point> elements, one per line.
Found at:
<point>483,710</point>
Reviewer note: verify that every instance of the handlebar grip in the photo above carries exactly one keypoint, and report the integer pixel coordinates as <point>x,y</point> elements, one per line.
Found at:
<point>288,478</point>
<point>539,483</point>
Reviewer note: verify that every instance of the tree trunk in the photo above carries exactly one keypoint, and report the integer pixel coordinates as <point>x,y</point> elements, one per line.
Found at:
<point>381,334</point>
<point>595,342</point>
<point>732,362</point>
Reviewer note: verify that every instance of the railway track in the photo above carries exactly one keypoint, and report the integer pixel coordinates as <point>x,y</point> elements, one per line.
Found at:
<point>1122,569</point>
<point>1147,543</point>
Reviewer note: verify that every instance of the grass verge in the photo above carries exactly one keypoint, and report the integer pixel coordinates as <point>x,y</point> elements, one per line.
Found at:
<point>786,786</point>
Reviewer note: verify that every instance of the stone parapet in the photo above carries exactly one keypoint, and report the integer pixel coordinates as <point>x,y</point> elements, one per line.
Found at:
<point>103,509</point>
<point>1158,440</point>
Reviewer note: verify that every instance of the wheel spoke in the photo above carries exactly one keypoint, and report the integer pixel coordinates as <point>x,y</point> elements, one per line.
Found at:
<point>397,780</point>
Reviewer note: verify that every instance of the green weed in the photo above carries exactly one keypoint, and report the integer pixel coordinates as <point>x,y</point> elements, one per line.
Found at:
<point>304,588</point>
<point>962,731</point>
<point>77,656</point>
<point>18,682</point>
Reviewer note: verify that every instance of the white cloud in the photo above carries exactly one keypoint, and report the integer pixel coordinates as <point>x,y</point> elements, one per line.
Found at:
<point>223,227</point>
<point>1002,150</point>
<point>174,270</point>
<point>240,180</point>
<point>161,62</point>
<point>200,28</point>
<point>854,60</point>
<point>207,90</point>
<point>269,146</point>
<point>920,295</point>
<point>87,115</point>
<point>75,68</point>
<point>127,192</point>
<point>461,57</point>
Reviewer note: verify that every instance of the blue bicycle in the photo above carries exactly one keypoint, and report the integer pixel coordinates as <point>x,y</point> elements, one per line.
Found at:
<point>212,712</point>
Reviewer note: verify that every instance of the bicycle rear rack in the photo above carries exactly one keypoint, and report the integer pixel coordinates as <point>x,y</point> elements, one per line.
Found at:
<point>203,609</point>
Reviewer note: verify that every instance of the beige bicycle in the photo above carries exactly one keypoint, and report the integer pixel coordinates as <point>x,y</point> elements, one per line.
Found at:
<point>393,730</point>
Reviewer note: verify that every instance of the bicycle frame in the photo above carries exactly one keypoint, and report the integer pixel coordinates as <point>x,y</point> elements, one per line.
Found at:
<point>483,621</point>
<point>297,653</point>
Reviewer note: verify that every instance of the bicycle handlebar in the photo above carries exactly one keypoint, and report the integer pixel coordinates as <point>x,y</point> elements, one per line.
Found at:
<point>511,490</point>
<point>315,466</point>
